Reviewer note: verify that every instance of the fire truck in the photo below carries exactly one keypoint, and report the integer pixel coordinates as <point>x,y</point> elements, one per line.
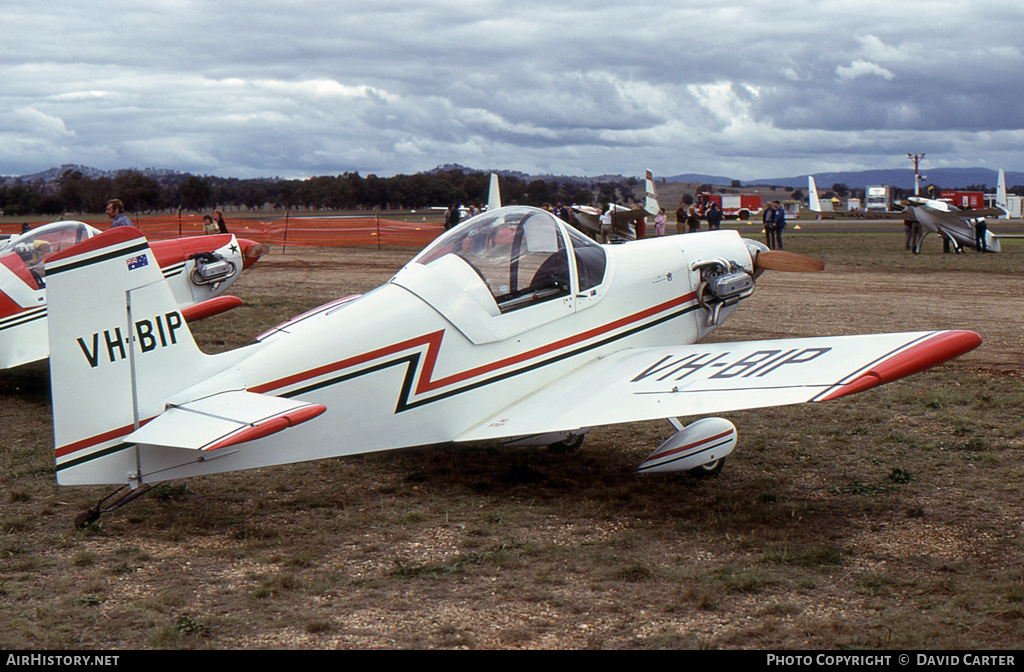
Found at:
<point>966,200</point>
<point>733,206</point>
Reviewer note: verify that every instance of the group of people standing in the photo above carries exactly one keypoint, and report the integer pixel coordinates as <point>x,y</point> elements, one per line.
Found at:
<point>688,217</point>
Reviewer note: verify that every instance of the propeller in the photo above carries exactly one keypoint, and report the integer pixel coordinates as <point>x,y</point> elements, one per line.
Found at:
<point>779,260</point>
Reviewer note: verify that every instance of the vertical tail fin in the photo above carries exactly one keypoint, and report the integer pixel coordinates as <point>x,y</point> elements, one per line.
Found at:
<point>812,200</point>
<point>651,195</point>
<point>494,194</point>
<point>1001,193</point>
<point>118,348</point>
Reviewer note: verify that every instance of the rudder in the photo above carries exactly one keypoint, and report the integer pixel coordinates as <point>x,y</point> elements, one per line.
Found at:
<point>651,194</point>
<point>118,348</point>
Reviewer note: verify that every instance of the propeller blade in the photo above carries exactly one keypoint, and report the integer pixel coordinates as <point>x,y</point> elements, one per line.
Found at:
<point>778,260</point>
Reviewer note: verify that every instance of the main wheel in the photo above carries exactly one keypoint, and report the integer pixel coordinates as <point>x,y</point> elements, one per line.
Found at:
<point>709,469</point>
<point>569,446</point>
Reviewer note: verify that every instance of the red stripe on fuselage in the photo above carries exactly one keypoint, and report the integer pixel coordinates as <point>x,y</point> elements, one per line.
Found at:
<point>433,343</point>
<point>99,438</point>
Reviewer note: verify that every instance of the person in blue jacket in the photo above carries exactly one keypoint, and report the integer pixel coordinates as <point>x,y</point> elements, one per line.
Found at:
<point>714,217</point>
<point>115,210</point>
<point>778,224</point>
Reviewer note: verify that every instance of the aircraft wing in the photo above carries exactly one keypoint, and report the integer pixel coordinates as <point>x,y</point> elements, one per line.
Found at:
<point>985,212</point>
<point>687,380</point>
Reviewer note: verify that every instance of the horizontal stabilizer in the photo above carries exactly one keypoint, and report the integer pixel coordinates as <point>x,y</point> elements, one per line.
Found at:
<point>223,419</point>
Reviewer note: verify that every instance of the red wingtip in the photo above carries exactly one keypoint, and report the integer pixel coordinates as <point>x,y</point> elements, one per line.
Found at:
<point>933,351</point>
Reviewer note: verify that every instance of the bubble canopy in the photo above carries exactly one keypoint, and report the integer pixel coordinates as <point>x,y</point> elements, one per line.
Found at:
<point>26,253</point>
<point>523,255</point>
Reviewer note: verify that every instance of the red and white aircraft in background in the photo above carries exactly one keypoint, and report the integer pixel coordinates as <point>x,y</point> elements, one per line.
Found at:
<point>197,269</point>
<point>512,327</point>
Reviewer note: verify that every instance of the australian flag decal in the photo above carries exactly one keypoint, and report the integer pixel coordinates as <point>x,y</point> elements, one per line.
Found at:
<point>137,262</point>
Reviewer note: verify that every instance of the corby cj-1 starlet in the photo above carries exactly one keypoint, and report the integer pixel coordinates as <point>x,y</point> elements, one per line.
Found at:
<point>512,327</point>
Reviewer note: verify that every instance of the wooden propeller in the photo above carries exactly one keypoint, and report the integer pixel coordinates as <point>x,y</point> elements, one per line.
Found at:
<point>778,260</point>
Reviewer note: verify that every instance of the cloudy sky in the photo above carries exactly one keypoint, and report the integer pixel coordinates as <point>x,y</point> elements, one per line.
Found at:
<point>751,89</point>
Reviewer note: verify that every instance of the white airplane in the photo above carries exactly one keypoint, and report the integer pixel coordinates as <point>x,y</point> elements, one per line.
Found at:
<point>952,223</point>
<point>624,219</point>
<point>198,270</point>
<point>512,327</point>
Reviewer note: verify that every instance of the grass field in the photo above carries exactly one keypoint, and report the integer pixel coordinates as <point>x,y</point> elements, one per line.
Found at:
<point>891,519</point>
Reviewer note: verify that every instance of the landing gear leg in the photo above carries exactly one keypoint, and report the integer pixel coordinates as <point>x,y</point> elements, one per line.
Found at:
<point>93,513</point>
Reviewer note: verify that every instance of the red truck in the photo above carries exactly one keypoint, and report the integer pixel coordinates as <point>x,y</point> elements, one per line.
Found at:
<point>967,200</point>
<point>733,206</point>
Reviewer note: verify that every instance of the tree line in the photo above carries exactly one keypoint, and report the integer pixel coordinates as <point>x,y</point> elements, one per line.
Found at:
<point>77,193</point>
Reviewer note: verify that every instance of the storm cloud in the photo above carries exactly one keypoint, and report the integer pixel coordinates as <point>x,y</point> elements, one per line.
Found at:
<point>744,89</point>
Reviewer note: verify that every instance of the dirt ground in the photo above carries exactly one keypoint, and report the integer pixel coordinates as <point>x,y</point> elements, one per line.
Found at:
<point>809,539</point>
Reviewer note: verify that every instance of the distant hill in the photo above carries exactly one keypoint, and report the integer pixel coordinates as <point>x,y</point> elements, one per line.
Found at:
<point>713,180</point>
<point>947,178</point>
<point>53,175</point>
<point>589,181</point>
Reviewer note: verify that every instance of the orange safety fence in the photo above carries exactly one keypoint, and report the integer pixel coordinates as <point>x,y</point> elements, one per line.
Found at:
<point>296,231</point>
